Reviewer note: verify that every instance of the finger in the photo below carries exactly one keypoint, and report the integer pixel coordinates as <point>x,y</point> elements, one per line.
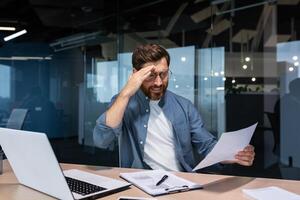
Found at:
<point>246,153</point>
<point>249,148</point>
<point>248,159</point>
<point>244,158</point>
<point>244,163</point>
<point>146,69</point>
<point>143,73</point>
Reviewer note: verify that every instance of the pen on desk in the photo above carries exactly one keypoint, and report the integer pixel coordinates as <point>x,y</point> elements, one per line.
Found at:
<point>162,180</point>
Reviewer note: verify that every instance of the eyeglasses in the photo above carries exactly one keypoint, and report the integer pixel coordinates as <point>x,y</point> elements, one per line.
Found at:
<point>162,75</point>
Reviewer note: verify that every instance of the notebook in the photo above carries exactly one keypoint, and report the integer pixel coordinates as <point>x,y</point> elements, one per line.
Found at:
<point>34,163</point>
<point>272,192</point>
<point>151,182</point>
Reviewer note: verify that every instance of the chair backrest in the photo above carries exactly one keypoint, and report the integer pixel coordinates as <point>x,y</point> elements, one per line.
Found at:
<point>16,118</point>
<point>274,121</point>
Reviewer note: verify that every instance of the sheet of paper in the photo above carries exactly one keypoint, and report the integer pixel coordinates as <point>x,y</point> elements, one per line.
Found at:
<point>228,146</point>
<point>274,193</point>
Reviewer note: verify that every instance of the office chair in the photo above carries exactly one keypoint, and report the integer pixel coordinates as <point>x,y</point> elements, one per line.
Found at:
<point>275,127</point>
<point>16,118</point>
<point>15,121</point>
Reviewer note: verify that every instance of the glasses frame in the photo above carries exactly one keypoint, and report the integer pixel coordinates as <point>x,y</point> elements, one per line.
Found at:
<point>153,76</point>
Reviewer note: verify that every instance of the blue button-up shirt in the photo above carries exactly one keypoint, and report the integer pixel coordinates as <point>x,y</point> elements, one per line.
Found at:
<point>189,133</point>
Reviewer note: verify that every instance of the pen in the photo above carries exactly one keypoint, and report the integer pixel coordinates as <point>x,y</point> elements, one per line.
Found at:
<point>162,180</point>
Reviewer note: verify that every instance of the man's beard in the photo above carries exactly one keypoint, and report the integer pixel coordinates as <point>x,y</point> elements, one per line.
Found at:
<point>150,92</point>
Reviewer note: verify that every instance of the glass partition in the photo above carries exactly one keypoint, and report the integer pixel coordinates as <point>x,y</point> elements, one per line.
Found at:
<point>236,61</point>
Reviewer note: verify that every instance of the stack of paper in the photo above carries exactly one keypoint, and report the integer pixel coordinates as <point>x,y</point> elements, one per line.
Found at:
<point>147,180</point>
<point>274,193</point>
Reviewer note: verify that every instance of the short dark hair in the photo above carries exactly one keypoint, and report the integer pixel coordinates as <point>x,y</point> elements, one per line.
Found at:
<point>148,53</point>
<point>294,86</point>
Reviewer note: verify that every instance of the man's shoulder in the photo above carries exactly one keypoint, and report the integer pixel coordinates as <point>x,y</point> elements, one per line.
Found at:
<point>177,97</point>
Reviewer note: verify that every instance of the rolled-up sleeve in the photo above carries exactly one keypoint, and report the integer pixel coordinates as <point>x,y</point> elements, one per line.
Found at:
<point>104,135</point>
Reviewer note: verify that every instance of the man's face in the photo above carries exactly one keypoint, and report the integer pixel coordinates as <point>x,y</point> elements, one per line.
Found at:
<point>156,84</point>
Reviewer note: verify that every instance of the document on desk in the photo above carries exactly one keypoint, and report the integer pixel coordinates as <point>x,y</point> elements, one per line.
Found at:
<point>148,180</point>
<point>267,193</point>
<point>228,146</point>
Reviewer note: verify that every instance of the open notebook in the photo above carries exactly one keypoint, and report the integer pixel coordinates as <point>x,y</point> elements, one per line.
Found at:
<point>147,181</point>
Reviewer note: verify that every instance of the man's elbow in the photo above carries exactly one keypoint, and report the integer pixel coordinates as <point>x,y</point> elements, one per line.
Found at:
<point>102,139</point>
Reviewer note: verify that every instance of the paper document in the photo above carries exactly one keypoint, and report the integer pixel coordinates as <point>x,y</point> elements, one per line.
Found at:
<point>228,146</point>
<point>274,193</point>
<point>147,180</point>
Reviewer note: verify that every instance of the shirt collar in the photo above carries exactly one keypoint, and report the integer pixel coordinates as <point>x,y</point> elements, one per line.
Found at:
<point>146,99</point>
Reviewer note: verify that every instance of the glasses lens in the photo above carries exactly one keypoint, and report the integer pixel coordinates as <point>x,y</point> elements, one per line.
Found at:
<point>153,76</point>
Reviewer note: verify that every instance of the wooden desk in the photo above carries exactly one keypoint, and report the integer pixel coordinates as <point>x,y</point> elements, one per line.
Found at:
<point>215,186</point>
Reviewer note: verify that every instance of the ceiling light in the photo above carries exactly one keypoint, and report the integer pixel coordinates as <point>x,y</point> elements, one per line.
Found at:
<point>296,63</point>
<point>17,34</point>
<point>23,58</point>
<point>245,66</point>
<point>247,59</point>
<point>78,40</point>
<point>291,69</point>
<point>6,28</point>
<point>216,73</point>
<point>222,72</point>
<point>295,58</point>
<point>205,78</point>
<point>219,88</point>
<point>183,59</point>
<point>224,78</point>
<point>253,79</point>
<point>233,81</point>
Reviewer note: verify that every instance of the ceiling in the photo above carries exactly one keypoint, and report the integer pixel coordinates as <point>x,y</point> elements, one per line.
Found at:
<point>178,22</point>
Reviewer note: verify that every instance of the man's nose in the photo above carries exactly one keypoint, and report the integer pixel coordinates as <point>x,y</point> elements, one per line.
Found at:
<point>158,81</point>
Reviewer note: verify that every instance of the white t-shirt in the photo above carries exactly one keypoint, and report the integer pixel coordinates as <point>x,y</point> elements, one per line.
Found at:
<point>159,150</point>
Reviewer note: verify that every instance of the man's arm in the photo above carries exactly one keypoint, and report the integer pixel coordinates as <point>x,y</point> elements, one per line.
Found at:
<point>115,113</point>
<point>108,125</point>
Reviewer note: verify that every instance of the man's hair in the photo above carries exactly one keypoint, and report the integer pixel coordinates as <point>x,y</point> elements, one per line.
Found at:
<point>148,53</point>
<point>294,86</point>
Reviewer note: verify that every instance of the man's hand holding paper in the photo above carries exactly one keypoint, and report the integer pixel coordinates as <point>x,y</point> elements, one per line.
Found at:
<point>244,157</point>
<point>232,147</point>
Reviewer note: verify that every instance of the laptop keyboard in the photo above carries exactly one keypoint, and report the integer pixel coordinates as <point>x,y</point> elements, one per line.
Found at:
<point>81,187</point>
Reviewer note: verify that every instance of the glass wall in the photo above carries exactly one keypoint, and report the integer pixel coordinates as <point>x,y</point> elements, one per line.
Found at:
<point>236,61</point>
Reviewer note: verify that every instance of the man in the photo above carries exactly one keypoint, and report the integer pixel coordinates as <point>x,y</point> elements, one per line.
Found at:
<point>157,128</point>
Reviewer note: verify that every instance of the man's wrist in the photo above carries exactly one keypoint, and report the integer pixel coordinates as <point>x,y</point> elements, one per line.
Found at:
<point>124,94</point>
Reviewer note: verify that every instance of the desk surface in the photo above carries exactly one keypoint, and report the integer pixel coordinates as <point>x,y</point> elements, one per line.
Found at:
<point>215,186</point>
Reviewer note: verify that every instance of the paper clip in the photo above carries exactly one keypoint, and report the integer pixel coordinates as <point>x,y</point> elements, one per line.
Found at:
<point>182,188</point>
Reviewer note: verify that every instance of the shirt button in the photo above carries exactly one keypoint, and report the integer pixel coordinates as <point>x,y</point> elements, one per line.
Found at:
<point>145,126</point>
<point>147,110</point>
<point>141,142</point>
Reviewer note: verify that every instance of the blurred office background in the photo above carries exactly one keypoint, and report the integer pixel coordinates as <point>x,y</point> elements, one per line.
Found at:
<point>236,60</point>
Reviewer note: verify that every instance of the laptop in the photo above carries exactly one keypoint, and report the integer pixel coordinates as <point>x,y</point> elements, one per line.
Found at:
<point>34,163</point>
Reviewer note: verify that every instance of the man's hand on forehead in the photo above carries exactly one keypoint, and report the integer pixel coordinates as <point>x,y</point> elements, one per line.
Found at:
<point>149,64</point>
<point>148,68</point>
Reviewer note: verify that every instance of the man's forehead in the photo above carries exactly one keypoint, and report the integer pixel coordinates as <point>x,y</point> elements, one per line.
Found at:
<point>158,65</point>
